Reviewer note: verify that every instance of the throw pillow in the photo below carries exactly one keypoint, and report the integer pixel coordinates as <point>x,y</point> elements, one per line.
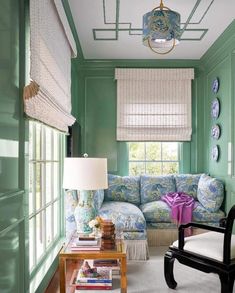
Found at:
<point>153,187</point>
<point>210,193</point>
<point>187,183</point>
<point>123,188</point>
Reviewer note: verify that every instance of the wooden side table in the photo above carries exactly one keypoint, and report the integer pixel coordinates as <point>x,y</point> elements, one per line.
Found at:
<point>118,253</point>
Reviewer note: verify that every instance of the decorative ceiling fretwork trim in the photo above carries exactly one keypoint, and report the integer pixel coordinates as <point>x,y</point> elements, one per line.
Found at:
<point>112,34</point>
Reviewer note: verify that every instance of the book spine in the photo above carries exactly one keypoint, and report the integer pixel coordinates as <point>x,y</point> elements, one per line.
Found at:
<point>93,287</point>
<point>93,281</point>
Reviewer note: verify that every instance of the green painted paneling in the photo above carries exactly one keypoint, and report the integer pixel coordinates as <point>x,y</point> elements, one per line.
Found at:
<point>14,275</point>
<point>219,62</point>
<point>100,116</point>
<point>96,113</point>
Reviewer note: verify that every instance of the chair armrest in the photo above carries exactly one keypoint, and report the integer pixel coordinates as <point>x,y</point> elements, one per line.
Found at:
<point>223,222</point>
<point>196,225</point>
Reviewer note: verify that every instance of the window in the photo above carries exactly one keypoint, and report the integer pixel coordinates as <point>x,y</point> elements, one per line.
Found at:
<point>153,158</point>
<point>45,149</point>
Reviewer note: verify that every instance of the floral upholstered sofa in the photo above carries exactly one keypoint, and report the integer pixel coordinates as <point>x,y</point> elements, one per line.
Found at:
<point>134,204</point>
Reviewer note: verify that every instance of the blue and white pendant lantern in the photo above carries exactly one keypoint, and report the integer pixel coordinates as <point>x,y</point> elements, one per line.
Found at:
<point>161,28</point>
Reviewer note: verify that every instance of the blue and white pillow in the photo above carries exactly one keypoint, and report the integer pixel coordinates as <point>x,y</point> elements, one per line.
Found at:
<point>123,188</point>
<point>187,183</point>
<point>153,187</point>
<point>210,192</point>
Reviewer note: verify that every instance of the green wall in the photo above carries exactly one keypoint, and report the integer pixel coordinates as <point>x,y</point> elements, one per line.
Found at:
<point>219,61</point>
<point>97,112</point>
<point>13,196</point>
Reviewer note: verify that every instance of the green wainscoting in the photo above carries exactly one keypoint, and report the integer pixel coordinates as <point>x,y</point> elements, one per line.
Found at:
<point>14,276</point>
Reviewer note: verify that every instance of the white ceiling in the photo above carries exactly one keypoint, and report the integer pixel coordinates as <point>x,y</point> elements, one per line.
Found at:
<point>212,15</point>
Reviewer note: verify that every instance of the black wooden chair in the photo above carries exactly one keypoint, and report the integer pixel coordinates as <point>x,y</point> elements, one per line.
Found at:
<point>210,252</point>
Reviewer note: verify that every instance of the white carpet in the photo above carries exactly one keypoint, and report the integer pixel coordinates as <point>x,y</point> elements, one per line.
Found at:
<point>148,277</point>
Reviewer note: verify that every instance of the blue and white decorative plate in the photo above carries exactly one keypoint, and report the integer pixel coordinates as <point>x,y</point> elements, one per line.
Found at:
<point>215,108</point>
<point>215,131</point>
<point>215,85</point>
<point>215,153</point>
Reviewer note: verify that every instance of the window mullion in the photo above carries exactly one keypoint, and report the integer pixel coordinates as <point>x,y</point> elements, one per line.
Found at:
<point>34,190</point>
<point>43,187</point>
<point>52,183</point>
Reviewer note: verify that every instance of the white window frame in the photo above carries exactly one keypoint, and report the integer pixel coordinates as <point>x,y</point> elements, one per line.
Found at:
<point>54,203</point>
<point>145,161</point>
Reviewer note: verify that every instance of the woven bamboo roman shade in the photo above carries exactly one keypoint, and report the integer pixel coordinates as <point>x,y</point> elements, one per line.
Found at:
<point>48,97</point>
<point>154,104</point>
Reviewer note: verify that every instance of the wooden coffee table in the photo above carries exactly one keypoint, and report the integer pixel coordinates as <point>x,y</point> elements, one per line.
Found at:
<point>118,253</point>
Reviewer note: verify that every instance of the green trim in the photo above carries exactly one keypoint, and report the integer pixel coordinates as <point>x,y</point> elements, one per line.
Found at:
<point>73,28</point>
<point>220,48</point>
<point>139,31</point>
<point>40,280</point>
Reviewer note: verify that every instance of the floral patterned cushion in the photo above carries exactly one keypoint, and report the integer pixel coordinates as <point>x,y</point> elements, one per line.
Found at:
<point>98,197</point>
<point>156,211</point>
<point>124,189</point>
<point>202,215</point>
<point>159,212</point>
<point>124,215</point>
<point>210,192</point>
<point>187,183</point>
<point>153,187</point>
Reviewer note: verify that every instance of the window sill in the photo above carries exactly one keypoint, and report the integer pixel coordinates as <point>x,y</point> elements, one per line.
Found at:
<point>42,278</point>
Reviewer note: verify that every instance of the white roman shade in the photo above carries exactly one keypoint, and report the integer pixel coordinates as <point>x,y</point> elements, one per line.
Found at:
<point>154,104</point>
<point>48,97</point>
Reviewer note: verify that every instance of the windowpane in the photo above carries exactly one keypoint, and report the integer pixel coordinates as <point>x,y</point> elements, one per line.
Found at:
<point>56,145</point>
<point>31,188</point>
<point>38,186</point>
<point>56,180</point>
<point>153,151</point>
<point>31,141</point>
<point>153,168</point>
<point>39,235</point>
<point>48,226</point>
<point>169,151</point>
<point>136,151</point>
<point>136,168</point>
<point>153,158</point>
<point>170,168</point>
<point>56,219</point>
<point>31,244</point>
<point>38,141</point>
<point>44,188</point>
<point>48,183</point>
<point>48,143</point>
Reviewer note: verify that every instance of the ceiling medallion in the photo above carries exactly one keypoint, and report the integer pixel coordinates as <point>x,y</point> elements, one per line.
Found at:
<point>161,29</point>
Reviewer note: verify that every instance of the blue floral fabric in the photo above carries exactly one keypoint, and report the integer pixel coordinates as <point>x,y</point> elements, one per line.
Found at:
<point>153,187</point>
<point>125,216</point>
<point>159,212</point>
<point>187,183</point>
<point>156,211</point>
<point>210,192</point>
<point>125,189</point>
<point>202,215</point>
<point>70,203</point>
<point>98,197</point>
<point>135,235</point>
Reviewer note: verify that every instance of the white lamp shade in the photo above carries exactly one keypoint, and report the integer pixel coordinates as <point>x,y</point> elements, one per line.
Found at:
<point>85,173</point>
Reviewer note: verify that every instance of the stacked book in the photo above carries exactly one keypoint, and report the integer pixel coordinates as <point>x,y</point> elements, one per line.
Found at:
<point>107,234</point>
<point>85,243</point>
<point>102,280</point>
<point>112,264</point>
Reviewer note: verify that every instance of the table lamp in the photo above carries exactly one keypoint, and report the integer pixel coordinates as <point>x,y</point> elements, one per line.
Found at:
<point>85,175</point>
